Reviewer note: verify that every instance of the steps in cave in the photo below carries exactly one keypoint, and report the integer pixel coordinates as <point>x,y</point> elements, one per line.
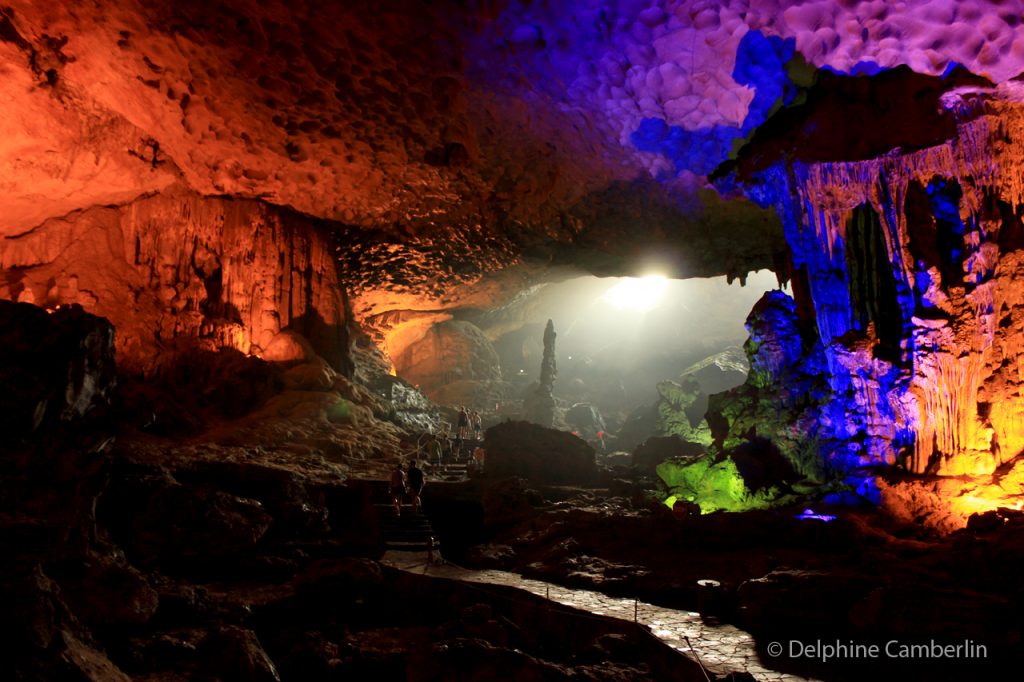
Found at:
<point>410,532</point>
<point>456,469</point>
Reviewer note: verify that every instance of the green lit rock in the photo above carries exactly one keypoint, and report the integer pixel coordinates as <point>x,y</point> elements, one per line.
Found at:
<point>783,396</point>
<point>738,482</point>
<point>673,416</point>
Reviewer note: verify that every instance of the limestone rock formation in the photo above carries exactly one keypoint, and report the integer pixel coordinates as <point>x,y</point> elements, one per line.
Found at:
<point>586,420</point>
<point>450,351</point>
<point>539,405</point>
<point>783,397</point>
<point>740,481</point>
<point>56,369</point>
<point>674,418</point>
<point>539,454</point>
<point>908,263</point>
<point>657,449</point>
<point>178,272</point>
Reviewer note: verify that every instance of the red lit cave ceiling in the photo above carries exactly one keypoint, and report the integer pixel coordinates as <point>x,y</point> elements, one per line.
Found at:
<point>449,157</point>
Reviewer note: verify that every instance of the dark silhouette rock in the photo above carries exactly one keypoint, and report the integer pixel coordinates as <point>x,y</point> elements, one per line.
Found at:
<point>539,406</point>
<point>657,449</point>
<point>56,368</point>
<point>539,454</point>
<point>105,590</point>
<point>180,522</point>
<point>236,653</point>
<point>44,640</point>
<point>586,419</point>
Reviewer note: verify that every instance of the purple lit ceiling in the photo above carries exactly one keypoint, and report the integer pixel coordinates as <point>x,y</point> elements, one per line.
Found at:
<point>392,111</point>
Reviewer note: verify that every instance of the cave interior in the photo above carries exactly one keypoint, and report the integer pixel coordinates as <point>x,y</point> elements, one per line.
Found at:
<point>713,307</point>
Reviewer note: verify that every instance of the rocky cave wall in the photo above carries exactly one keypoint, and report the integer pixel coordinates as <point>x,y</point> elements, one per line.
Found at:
<point>461,153</point>
<point>910,265</point>
<point>179,272</point>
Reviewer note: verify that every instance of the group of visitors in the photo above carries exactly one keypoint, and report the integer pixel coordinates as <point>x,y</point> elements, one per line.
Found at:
<point>408,482</point>
<point>437,450</point>
<point>440,449</point>
<point>469,419</point>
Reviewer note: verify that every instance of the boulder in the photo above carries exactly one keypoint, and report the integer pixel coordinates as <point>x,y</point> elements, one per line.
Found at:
<point>315,375</point>
<point>537,453</point>
<point>56,367</point>
<point>657,449</point>
<point>236,653</point>
<point>106,590</point>
<point>451,351</point>
<point>44,640</point>
<point>179,522</point>
<point>288,346</point>
<point>586,419</point>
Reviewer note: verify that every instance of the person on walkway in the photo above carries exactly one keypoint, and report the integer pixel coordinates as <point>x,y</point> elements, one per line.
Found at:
<point>416,481</point>
<point>435,452</point>
<point>478,460</point>
<point>477,424</point>
<point>463,423</point>
<point>397,486</point>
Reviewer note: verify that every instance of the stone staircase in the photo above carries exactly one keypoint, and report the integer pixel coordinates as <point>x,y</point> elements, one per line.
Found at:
<point>408,532</point>
<point>454,469</point>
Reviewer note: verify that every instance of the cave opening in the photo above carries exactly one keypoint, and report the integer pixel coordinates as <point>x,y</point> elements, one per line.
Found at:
<point>618,338</point>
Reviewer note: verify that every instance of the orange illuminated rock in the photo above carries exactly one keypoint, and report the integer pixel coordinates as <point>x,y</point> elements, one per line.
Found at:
<point>179,271</point>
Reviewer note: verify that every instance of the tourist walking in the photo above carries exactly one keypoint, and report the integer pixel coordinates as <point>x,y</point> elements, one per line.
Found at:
<point>478,460</point>
<point>477,424</point>
<point>397,487</point>
<point>416,480</point>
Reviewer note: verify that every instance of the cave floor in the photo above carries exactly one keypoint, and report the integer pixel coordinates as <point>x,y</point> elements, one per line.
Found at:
<point>721,648</point>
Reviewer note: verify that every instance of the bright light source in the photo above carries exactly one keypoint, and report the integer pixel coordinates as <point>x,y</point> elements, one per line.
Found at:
<point>637,293</point>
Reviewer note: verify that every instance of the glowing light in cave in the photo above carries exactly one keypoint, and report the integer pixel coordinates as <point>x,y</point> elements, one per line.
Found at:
<point>637,293</point>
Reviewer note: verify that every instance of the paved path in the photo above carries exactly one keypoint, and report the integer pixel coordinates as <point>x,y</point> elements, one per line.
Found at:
<point>720,648</point>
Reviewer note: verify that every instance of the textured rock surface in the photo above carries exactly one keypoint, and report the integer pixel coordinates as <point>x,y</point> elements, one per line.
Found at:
<point>617,110</point>
<point>910,263</point>
<point>179,272</point>
<point>539,403</point>
<point>450,351</point>
<point>782,398</point>
<point>55,369</point>
<point>539,454</point>
<point>674,414</point>
<point>251,99</point>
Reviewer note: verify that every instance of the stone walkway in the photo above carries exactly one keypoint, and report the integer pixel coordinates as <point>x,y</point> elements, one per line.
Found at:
<point>721,649</point>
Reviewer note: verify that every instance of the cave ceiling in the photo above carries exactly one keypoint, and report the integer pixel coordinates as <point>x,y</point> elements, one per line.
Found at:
<point>447,141</point>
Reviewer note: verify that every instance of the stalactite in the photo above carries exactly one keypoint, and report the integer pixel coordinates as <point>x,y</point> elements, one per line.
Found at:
<point>953,403</point>
<point>205,273</point>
